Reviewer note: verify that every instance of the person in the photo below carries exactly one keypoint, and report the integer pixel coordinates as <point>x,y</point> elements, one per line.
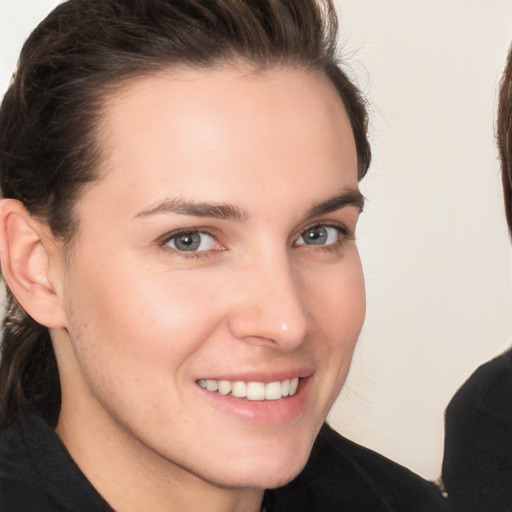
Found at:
<point>477,463</point>
<point>177,235</point>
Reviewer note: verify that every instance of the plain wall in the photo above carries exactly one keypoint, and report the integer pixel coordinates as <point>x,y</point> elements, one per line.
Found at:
<point>433,238</point>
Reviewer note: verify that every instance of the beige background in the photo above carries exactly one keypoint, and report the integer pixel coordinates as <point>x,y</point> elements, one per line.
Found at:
<point>433,238</point>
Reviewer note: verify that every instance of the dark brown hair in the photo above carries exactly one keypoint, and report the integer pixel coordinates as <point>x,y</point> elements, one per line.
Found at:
<point>72,61</point>
<point>504,132</point>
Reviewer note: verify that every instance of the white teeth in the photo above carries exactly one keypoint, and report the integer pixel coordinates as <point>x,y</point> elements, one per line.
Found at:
<point>273,391</point>
<point>293,386</point>
<point>239,389</point>
<point>212,385</point>
<point>224,387</point>
<point>285,387</point>
<point>255,391</point>
<point>252,390</point>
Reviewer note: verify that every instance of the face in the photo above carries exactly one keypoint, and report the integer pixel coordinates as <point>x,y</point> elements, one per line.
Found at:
<point>215,259</point>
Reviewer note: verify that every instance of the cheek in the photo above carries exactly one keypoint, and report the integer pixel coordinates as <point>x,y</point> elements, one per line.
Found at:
<point>339,302</point>
<point>339,311</point>
<point>147,320</point>
<point>135,341</point>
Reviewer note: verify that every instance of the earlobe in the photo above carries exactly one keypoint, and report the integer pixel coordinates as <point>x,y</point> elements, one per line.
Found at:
<point>26,258</point>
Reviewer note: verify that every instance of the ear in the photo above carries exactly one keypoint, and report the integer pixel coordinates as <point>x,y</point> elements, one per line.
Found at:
<point>31,260</point>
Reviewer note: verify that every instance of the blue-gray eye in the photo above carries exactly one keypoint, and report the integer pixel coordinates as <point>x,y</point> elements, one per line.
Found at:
<point>191,242</point>
<point>319,235</point>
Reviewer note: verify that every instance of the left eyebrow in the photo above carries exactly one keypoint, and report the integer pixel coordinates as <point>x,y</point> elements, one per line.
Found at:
<point>351,197</point>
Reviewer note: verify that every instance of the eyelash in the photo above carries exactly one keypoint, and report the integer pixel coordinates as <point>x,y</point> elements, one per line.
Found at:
<point>344,235</point>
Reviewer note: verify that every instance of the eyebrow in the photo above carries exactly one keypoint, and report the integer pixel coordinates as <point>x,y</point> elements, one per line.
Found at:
<point>196,209</point>
<point>350,197</point>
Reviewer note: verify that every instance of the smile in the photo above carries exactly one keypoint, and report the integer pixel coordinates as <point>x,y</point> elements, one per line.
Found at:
<point>252,390</point>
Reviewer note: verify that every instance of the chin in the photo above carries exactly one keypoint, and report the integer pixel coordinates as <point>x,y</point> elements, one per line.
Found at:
<point>267,469</point>
<point>265,478</point>
<point>278,480</point>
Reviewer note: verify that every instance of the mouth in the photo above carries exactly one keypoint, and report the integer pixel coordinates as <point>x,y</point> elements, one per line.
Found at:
<point>256,391</point>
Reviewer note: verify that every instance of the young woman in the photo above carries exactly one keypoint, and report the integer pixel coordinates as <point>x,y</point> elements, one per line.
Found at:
<point>180,183</point>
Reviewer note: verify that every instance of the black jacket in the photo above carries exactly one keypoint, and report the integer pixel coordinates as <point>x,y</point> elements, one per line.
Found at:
<point>38,475</point>
<point>477,465</point>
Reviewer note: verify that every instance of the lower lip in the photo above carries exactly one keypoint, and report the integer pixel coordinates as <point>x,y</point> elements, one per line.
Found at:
<point>261,411</point>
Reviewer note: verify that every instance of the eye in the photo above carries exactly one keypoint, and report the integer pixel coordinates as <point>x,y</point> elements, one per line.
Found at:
<point>320,235</point>
<point>192,241</point>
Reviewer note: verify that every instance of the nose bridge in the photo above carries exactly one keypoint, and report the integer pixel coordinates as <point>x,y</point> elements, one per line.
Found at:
<point>273,308</point>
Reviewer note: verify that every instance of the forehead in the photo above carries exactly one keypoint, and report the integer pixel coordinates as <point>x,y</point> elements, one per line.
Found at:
<point>213,131</point>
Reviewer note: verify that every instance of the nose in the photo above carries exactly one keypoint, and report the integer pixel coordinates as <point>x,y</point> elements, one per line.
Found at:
<point>271,306</point>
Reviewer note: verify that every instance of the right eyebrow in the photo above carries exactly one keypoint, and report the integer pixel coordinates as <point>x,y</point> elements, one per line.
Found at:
<point>348,197</point>
<point>195,209</point>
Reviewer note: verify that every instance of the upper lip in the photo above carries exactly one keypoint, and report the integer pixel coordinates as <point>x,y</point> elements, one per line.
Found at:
<point>265,377</point>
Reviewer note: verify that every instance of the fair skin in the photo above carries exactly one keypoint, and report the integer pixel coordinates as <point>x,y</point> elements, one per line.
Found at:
<point>217,246</point>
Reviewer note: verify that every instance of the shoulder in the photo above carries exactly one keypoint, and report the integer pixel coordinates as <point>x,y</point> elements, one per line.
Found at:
<point>487,392</point>
<point>477,463</point>
<point>342,475</point>
<point>19,488</point>
<point>38,474</point>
